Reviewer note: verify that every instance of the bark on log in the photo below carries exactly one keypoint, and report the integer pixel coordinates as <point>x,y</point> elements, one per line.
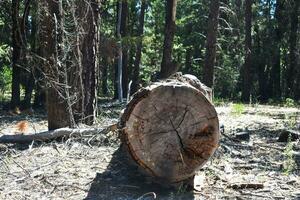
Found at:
<point>170,128</point>
<point>54,134</point>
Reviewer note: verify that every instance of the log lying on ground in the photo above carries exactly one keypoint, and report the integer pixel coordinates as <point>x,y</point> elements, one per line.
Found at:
<point>52,135</point>
<point>171,128</point>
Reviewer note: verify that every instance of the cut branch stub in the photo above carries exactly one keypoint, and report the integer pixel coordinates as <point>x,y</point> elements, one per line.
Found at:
<point>170,130</point>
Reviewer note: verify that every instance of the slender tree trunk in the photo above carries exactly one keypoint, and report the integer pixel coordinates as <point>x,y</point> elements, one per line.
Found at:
<point>262,81</point>
<point>276,69</point>
<point>16,45</point>
<point>248,47</point>
<point>211,41</point>
<point>293,48</point>
<point>188,61</point>
<point>29,74</point>
<point>104,77</point>
<point>136,67</point>
<point>120,54</point>
<point>124,33</point>
<point>168,67</point>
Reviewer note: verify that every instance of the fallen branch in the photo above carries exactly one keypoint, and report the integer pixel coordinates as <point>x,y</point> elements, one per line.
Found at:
<point>246,186</point>
<point>52,135</point>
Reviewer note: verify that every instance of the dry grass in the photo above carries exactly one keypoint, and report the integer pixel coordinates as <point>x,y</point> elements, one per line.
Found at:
<point>94,168</point>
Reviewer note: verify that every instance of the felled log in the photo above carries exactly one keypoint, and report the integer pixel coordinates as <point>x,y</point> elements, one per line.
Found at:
<point>170,128</point>
<point>53,134</point>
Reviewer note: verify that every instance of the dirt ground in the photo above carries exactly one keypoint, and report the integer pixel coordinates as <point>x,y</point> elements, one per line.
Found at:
<point>94,167</point>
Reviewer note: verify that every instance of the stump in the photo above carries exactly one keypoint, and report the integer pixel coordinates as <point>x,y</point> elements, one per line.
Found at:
<point>171,129</point>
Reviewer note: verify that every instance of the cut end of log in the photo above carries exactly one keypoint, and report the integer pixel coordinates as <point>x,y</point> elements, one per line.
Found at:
<point>170,130</point>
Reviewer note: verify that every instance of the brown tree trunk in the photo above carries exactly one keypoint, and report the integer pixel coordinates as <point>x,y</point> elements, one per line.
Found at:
<point>168,67</point>
<point>188,60</point>
<point>124,32</point>
<point>276,68</point>
<point>211,41</point>
<point>136,67</point>
<point>16,45</point>
<point>290,79</point>
<point>246,88</point>
<point>161,133</point>
<point>261,73</point>
<point>104,78</point>
<point>51,37</point>
<point>29,73</point>
<point>89,49</point>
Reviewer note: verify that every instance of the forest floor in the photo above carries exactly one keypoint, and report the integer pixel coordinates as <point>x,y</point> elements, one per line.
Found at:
<point>93,167</point>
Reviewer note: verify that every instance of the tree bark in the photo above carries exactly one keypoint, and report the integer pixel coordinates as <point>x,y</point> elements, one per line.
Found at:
<point>247,84</point>
<point>120,53</point>
<point>211,41</point>
<point>124,33</point>
<point>16,45</point>
<point>138,56</point>
<point>293,48</point>
<point>276,69</point>
<point>168,67</point>
<point>90,49</point>
<point>260,64</point>
<point>29,74</point>
<point>160,132</point>
<point>50,34</point>
<point>54,134</point>
<point>104,76</point>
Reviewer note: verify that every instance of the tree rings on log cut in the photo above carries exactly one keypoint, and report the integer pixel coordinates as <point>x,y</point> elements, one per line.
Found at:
<point>170,130</point>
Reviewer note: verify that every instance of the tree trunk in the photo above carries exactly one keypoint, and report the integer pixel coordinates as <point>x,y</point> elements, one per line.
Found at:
<point>29,74</point>
<point>136,67</point>
<point>104,77</point>
<point>211,41</point>
<point>260,66</point>
<point>170,129</point>
<point>16,45</point>
<point>50,34</point>
<point>124,25</point>
<point>276,69</point>
<point>168,67</point>
<point>89,49</point>
<point>246,88</point>
<point>120,54</point>
<point>293,48</point>
<point>188,60</point>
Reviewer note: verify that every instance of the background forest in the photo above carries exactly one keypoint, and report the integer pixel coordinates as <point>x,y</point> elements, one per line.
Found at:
<point>71,117</point>
<point>245,50</point>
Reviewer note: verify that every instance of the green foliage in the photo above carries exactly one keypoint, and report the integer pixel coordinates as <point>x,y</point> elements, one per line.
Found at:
<point>289,102</point>
<point>237,109</point>
<point>5,79</point>
<point>289,162</point>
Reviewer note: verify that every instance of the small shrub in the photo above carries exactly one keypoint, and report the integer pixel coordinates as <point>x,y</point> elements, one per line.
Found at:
<point>237,109</point>
<point>289,102</point>
<point>289,164</point>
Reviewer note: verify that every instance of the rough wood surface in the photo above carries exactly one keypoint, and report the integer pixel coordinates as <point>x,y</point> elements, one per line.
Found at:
<point>54,134</point>
<point>170,129</point>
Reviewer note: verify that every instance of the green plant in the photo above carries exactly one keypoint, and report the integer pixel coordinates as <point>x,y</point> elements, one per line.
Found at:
<point>5,79</point>
<point>289,102</point>
<point>237,109</point>
<point>289,163</point>
<point>291,121</point>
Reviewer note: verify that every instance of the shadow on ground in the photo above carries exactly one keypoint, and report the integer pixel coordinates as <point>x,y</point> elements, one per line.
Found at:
<point>124,182</point>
